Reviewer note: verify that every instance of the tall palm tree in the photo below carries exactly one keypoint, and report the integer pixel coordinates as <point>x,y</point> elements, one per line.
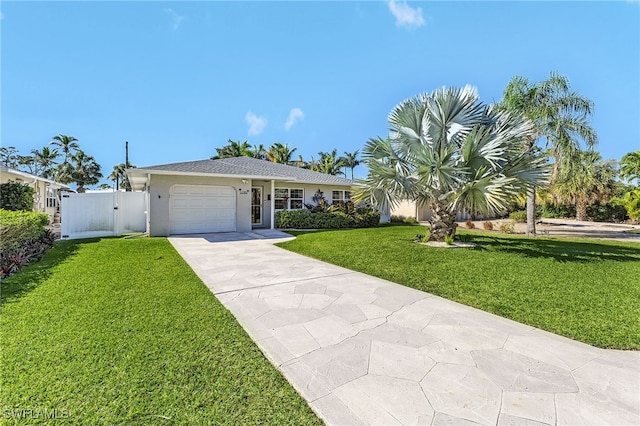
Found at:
<point>233,149</point>
<point>28,162</point>
<point>279,153</point>
<point>46,160</point>
<point>351,161</point>
<point>560,117</point>
<point>120,177</point>
<point>630,167</point>
<point>587,180</point>
<point>329,163</point>
<point>258,151</point>
<point>86,171</point>
<point>68,145</point>
<point>452,152</point>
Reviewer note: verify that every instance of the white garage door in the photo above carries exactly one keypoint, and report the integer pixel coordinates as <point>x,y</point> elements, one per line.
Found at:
<point>199,209</point>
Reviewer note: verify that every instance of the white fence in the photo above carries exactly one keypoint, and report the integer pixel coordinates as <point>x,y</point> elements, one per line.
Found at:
<point>102,214</point>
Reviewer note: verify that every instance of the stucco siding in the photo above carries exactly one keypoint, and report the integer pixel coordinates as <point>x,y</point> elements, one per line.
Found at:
<point>160,206</point>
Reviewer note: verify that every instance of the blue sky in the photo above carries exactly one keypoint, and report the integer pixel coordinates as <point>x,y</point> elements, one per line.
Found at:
<point>177,79</point>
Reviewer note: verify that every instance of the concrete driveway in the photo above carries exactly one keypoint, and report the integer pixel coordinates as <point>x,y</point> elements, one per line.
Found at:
<point>362,350</point>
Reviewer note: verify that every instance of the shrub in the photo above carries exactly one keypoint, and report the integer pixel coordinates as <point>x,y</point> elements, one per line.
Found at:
<point>448,239</point>
<point>631,202</point>
<point>24,239</point>
<point>16,196</point>
<point>609,212</point>
<point>469,224</point>
<point>306,219</point>
<point>487,225</point>
<point>397,219</point>
<point>410,220</point>
<point>507,227</point>
<point>556,211</point>
<point>519,216</point>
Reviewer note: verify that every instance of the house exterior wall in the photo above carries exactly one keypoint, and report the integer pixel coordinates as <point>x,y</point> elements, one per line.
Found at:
<point>309,192</point>
<point>408,208</point>
<point>159,200</point>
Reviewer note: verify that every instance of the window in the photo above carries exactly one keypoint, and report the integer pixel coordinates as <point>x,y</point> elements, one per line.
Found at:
<point>289,198</point>
<point>340,196</point>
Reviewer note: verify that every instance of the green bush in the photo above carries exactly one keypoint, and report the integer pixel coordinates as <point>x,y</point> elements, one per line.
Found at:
<point>631,202</point>
<point>608,212</point>
<point>16,196</point>
<point>518,216</point>
<point>23,239</point>
<point>18,227</point>
<point>410,220</point>
<point>556,211</point>
<point>306,219</point>
<point>397,219</point>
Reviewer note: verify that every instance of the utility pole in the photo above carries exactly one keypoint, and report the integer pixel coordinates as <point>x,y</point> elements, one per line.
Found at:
<point>126,153</point>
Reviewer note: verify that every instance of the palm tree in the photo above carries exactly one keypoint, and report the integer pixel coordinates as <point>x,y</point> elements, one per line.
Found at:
<point>351,161</point>
<point>452,152</point>
<point>29,163</point>
<point>279,153</point>
<point>234,149</point>
<point>258,151</point>
<point>630,167</point>
<point>560,116</point>
<point>86,171</point>
<point>9,157</point>
<point>328,163</point>
<point>68,145</point>
<point>587,180</point>
<point>120,177</point>
<point>46,160</point>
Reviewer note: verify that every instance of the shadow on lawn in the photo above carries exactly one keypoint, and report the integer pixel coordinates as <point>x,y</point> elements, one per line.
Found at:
<point>560,250</point>
<point>31,276</point>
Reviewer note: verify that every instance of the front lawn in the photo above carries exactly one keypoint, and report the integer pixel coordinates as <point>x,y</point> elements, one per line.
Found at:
<point>120,331</point>
<point>584,289</point>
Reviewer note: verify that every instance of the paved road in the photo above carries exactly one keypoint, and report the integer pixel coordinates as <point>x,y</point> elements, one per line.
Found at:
<point>362,350</point>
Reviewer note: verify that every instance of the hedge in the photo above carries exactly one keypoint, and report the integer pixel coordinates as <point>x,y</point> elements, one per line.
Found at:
<point>23,239</point>
<point>16,196</point>
<point>305,219</point>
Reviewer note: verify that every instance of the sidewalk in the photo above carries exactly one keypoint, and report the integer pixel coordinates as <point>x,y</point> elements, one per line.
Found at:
<point>362,350</point>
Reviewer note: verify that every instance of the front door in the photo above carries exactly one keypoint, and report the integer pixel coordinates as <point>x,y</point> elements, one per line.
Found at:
<point>256,206</point>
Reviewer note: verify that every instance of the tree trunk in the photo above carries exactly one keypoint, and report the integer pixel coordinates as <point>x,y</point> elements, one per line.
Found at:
<point>581,209</point>
<point>531,211</point>
<point>442,223</point>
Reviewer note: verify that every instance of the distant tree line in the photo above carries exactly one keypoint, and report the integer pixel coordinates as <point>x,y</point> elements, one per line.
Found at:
<point>327,162</point>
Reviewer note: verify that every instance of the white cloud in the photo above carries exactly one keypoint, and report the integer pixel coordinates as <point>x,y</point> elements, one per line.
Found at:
<point>175,18</point>
<point>256,123</point>
<point>405,15</point>
<point>295,115</point>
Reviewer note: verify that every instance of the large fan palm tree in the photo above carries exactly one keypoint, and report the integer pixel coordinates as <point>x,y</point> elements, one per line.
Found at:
<point>587,180</point>
<point>560,118</point>
<point>452,152</point>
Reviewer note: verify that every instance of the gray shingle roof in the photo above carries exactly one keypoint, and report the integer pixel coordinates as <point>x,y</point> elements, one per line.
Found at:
<point>249,167</point>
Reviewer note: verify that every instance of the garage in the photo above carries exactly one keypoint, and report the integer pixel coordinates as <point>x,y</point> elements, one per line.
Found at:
<point>199,209</point>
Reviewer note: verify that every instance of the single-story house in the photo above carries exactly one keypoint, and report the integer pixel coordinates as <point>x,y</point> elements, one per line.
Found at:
<point>228,194</point>
<point>46,196</point>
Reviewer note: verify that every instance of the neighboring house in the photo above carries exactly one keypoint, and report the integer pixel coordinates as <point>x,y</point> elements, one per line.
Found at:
<point>228,194</point>
<point>46,196</point>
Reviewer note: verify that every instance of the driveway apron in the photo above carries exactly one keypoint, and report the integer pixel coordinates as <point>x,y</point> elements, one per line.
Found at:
<point>362,350</point>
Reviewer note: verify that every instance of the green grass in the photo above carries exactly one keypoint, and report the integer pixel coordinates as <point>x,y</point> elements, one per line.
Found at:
<point>584,289</point>
<point>118,331</point>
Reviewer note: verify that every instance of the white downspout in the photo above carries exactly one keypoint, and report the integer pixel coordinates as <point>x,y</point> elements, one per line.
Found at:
<point>273,204</point>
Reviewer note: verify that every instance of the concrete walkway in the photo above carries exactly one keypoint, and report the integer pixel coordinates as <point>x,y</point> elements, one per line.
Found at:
<point>362,350</point>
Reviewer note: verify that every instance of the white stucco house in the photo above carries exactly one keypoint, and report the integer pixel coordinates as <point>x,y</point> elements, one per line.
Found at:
<point>228,195</point>
<point>46,197</point>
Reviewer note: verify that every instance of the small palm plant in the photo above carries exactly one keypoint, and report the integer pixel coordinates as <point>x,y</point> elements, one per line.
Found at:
<point>452,152</point>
